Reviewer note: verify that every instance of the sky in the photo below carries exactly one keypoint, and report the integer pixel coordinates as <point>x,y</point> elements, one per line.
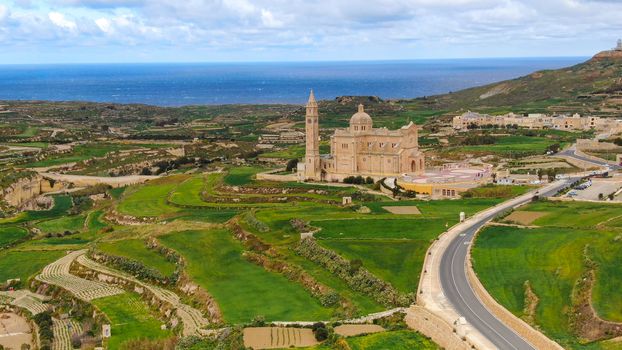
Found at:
<point>89,31</point>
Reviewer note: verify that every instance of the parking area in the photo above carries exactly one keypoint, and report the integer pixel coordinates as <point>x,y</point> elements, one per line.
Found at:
<point>600,188</point>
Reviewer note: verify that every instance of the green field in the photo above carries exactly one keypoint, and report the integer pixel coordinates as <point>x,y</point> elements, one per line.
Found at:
<point>129,319</point>
<point>11,234</point>
<point>81,152</point>
<point>551,259</point>
<point>242,289</point>
<point>24,264</point>
<point>241,176</point>
<point>396,340</point>
<point>150,200</point>
<point>66,223</point>
<point>62,203</point>
<point>137,250</point>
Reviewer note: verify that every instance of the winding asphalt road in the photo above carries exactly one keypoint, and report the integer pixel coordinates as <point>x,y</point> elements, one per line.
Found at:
<point>458,291</point>
<point>571,152</point>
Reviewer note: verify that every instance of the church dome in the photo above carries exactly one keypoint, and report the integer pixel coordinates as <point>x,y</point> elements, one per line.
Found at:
<point>361,118</point>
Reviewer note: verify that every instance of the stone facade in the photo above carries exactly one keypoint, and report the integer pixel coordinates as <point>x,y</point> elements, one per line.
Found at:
<point>574,122</point>
<point>360,149</point>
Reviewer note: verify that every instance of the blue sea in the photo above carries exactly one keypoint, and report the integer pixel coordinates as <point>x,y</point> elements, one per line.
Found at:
<point>178,84</point>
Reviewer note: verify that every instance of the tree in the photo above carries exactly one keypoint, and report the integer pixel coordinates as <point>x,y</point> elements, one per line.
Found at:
<point>369,180</point>
<point>540,173</point>
<point>292,164</point>
<point>355,265</point>
<point>551,173</point>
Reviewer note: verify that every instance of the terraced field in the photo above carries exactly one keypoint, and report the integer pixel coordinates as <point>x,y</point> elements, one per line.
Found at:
<point>63,331</point>
<point>11,234</point>
<point>192,319</point>
<point>57,273</point>
<point>235,283</point>
<point>136,249</point>
<point>552,258</point>
<point>130,319</point>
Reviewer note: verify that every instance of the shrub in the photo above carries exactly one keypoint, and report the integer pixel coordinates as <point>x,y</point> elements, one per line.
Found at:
<point>291,164</point>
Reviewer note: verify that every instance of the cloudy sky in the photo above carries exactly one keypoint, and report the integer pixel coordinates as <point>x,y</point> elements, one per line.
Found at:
<point>64,31</point>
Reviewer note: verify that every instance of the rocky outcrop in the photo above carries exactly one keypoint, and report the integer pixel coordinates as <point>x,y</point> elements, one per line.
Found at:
<point>23,193</point>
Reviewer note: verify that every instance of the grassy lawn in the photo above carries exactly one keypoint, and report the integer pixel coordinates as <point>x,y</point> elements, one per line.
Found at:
<point>129,319</point>
<point>513,144</point>
<point>150,200</point>
<point>421,229</point>
<point>66,223</point>
<point>24,264</point>
<point>396,340</point>
<point>242,289</point>
<point>551,259</point>
<point>10,234</point>
<point>137,250</point>
<point>240,176</point>
<point>396,261</point>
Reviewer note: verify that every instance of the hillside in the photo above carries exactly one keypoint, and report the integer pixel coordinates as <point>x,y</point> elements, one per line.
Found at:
<point>593,87</point>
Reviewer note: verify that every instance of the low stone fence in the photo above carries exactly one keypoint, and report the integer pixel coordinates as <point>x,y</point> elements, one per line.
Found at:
<point>524,330</point>
<point>434,327</point>
<point>271,176</point>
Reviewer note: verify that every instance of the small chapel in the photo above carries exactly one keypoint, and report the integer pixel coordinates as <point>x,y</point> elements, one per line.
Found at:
<point>360,149</point>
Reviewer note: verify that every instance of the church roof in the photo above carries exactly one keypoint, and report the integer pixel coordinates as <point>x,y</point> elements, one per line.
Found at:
<point>360,117</point>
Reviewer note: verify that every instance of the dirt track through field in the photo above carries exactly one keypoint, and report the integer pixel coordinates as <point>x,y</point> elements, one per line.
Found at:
<point>525,217</point>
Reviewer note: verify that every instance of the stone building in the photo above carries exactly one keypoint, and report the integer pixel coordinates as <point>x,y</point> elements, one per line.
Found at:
<point>360,149</point>
<point>573,122</point>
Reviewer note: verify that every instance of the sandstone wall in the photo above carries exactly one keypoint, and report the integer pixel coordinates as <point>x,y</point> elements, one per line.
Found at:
<point>432,326</point>
<point>26,189</point>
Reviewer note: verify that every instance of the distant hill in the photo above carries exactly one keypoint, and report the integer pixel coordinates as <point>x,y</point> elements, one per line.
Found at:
<point>593,87</point>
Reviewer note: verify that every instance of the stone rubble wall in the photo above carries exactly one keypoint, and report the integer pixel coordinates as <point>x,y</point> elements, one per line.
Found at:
<point>432,326</point>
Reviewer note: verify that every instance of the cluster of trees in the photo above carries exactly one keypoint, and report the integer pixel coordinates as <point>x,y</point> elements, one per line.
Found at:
<point>475,140</point>
<point>168,165</point>
<point>136,268</point>
<point>553,148</point>
<point>551,174</point>
<point>46,333</point>
<point>59,235</point>
<point>472,126</point>
<point>358,180</point>
<point>320,331</point>
<point>353,273</point>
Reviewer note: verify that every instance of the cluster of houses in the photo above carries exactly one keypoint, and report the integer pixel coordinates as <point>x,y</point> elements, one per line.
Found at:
<point>575,122</point>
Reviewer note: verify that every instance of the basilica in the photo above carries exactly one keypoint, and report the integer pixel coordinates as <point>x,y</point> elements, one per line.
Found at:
<point>360,149</point>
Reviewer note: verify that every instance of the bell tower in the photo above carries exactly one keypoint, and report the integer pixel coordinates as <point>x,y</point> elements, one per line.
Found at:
<point>312,152</point>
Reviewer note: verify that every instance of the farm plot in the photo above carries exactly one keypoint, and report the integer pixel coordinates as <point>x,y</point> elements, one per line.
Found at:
<point>150,200</point>
<point>278,337</point>
<point>27,300</point>
<point>57,273</point>
<point>11,234</point>
<point>63,331</point>
<point>524,217</point>
<point>236,283</point>
<point>130,319</point>
<point>23,264</point>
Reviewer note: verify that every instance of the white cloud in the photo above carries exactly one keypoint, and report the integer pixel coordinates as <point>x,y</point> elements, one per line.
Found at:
<point>324,28</point>
<point>60,21</point>
<point>4,12</point>
<point>268,20</point>
<point>104,25</point>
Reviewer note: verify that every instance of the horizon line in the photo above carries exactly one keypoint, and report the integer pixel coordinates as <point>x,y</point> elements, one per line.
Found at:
<point>292,61</point>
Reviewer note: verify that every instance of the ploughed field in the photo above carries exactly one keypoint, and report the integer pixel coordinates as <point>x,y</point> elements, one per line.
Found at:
<point>550,273</point>
<point>229,247</point>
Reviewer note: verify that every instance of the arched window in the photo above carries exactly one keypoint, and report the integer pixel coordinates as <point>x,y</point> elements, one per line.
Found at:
<point>413,165</point>
<point>420,163</point>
